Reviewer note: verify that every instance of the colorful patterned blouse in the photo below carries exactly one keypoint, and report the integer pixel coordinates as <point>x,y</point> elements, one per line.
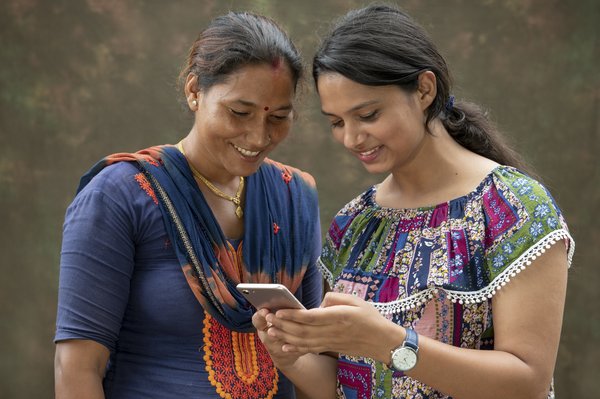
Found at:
<point>437,268</point>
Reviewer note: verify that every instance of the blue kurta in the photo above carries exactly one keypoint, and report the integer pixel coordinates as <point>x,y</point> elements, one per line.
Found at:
<point>121,285</point>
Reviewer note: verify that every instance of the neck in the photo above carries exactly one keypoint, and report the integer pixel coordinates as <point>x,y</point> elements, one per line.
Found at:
<point>224,183</point>
<point>440,170</point>
<point>205,163</point>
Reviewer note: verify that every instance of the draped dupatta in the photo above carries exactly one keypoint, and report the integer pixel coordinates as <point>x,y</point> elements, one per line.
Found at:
<point>280,214</point>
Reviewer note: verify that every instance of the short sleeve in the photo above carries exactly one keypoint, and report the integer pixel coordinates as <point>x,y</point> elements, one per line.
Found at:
<point>97,260</point>
<point>522,221</point>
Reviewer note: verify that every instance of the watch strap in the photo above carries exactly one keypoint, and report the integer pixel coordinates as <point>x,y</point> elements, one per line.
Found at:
<point>412,339</point>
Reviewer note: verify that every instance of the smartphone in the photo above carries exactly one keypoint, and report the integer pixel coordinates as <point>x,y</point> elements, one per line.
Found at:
<point>270,296</point>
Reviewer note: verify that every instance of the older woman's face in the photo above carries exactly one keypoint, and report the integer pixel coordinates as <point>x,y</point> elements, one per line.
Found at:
<point>240,120</point>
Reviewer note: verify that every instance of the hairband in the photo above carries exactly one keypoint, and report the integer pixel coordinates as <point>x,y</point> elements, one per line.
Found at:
<point>450,103</point>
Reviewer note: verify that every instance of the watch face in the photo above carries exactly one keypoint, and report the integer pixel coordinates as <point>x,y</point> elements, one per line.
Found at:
<point>404,359</point>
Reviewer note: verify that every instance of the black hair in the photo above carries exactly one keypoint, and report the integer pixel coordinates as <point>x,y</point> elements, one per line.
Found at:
<point>237,39</point>
<point>380,45</point>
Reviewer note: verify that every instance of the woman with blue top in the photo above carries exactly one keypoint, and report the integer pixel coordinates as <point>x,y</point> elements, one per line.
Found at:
<point>155,242</point>
<point>448,278</point>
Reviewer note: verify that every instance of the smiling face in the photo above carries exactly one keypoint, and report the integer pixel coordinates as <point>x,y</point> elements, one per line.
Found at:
<point>240,120</point>
<point>383,126</point>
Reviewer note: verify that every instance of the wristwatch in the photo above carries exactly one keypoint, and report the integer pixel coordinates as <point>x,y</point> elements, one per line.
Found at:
<point>405,356</point>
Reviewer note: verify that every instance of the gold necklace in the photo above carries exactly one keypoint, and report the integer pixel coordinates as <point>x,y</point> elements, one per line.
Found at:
<point>237,200</point>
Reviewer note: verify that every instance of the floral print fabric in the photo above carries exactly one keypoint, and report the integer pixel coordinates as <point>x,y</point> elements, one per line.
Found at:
<point>435,269</point>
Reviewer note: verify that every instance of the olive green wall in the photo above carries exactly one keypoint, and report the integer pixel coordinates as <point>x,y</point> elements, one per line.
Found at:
<point>83,78</point>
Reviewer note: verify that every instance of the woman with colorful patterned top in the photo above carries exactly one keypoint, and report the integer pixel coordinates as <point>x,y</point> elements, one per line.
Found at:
<point>155,242</point>
<point>449,276</point>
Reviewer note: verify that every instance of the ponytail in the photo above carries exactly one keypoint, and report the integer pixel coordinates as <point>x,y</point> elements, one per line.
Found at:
<point>468,124</point>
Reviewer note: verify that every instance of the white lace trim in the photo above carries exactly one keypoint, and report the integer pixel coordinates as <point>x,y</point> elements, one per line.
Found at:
<point>484,294</point>
<point>327,275</point>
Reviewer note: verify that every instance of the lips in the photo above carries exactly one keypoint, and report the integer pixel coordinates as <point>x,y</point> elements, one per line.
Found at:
<point>369,155</point>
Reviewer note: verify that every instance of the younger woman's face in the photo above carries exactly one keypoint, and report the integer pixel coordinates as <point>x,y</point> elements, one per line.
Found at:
<point>382,126</point>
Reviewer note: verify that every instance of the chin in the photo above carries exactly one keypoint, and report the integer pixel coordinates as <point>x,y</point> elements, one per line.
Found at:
<point>376,169</point>
<point>246,170</point>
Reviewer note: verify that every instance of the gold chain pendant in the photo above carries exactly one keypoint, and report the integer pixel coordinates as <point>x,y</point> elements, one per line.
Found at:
<point>237,201</point>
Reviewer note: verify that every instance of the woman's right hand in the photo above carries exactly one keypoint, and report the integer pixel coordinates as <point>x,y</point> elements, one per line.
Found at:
<point>343,324</point>
<point>282,360</point>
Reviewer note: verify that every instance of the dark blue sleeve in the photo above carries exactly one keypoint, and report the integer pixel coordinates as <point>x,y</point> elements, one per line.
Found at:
<point>97,261</point>
<point>312,287</point>
<point>312,283</point>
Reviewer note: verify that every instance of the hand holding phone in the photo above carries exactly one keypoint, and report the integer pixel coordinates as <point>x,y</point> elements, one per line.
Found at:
<point>270,296</point>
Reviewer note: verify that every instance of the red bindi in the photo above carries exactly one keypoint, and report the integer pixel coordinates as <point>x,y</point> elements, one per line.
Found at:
<point>276,63</point>
<point>266,108</point>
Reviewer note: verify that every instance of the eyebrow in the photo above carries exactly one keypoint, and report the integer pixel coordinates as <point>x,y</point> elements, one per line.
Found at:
<point>354,108</point>
<point>251,104</point>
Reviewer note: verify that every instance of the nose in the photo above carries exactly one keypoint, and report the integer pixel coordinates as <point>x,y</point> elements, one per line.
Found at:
<point>353,137</point>
<point>258,134</point>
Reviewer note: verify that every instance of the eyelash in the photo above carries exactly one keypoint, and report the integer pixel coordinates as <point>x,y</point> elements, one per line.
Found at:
<point>238,113</point>
<point>244,114</point>
<point>336,124</point>
<point>370,116</point>
<point>366,118</point>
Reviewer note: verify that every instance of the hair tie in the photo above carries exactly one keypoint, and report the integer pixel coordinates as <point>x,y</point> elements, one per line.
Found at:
<point>450,103</point>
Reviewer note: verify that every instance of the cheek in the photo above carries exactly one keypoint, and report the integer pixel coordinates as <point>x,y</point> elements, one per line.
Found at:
<point>227,127</point>
<point>279,132</point>
<point>338,135</point>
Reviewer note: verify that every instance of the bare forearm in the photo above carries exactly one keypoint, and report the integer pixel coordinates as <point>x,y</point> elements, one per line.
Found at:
<point>314,376</point>
<point>79,369</point>
<point>468,373</point>
<point>78,384</point>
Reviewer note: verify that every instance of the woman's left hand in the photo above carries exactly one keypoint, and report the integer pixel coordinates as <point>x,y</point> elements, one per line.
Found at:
<point>282,360</point>
<point>344,323</point>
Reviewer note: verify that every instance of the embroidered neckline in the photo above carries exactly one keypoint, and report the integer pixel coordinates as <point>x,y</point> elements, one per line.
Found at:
<point>370,195</point>
<point>238,364</point>
<point>471,297</point>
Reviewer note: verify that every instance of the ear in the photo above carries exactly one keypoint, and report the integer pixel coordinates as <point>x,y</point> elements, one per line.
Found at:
<point>427,89</point>
<point>191,91</point>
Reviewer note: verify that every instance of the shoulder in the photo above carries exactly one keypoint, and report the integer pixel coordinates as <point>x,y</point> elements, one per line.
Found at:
<point>529,198</point>
<point>524,186</point>
<point>121,184</point>
<point>112,177</point>
<point>358,212</point>
<point>288,173</point>
<point>521,219</point>
<point>360,203</point>
<point>361,207</point>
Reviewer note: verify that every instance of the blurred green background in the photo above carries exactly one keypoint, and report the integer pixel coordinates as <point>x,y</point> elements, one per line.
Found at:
<point>80,79</point>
